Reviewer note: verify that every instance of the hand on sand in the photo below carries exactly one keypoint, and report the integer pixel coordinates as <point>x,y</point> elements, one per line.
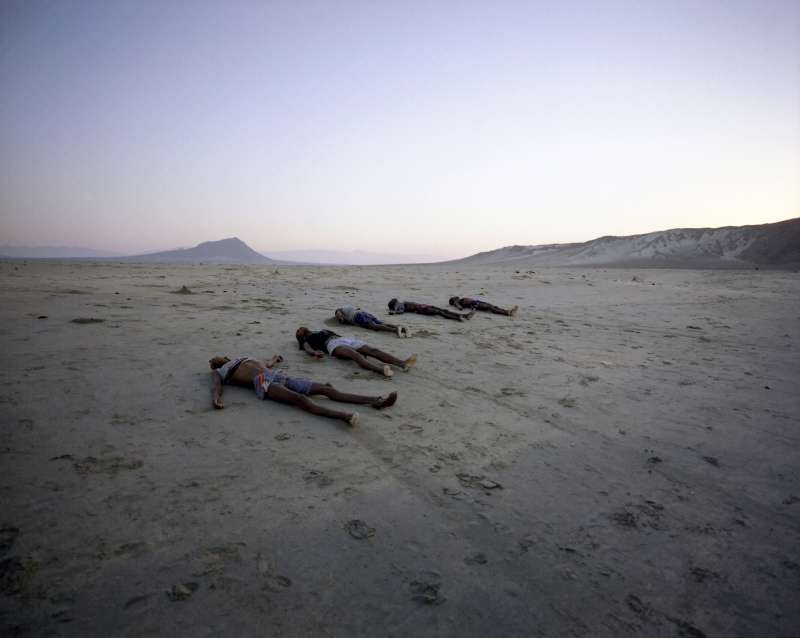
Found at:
<point>279,358</point>
<point>318,354</point>
<point>387,371</point>
<point>218,404</point>
<point>353,419</point>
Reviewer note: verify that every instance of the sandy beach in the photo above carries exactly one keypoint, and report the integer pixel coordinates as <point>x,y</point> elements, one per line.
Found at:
<point>619,459</point>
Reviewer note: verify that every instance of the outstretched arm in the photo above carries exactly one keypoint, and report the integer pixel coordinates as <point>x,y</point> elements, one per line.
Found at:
<point>314,353</point>
<point>274,361</point>
<point>216,392</point>
<point>458,305</point>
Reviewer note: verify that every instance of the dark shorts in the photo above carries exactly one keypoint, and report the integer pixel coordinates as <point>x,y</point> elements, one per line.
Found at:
<point>263,380</point>
<point>365,320</point>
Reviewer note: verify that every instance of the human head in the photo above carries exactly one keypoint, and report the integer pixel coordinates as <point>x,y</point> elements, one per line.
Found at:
<point>301,333</point>
<point>453,301</point>
<point>217,362</point>
<point>392,303</point>
<point>339,315</point>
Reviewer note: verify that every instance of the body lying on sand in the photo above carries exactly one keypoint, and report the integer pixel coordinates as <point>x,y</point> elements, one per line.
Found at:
<point>274,384</point>
<point>352,316</point>
<point>466,303</point>
<point>318,343</point>
<point>399,307</point>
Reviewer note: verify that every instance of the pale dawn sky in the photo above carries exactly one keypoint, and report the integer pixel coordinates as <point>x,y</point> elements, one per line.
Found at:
<point>438,128</point>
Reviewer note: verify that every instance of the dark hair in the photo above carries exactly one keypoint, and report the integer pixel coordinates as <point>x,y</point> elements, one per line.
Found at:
<point>212,361</point>
<point>392,303</point>
<point>452,299</point>
<point>301,339</point>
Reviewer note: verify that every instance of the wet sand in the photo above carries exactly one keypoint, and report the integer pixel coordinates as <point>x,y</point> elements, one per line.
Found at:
<point>619,459</point>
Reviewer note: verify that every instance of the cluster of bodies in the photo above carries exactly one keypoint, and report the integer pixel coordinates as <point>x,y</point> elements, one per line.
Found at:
<point>270,383</point>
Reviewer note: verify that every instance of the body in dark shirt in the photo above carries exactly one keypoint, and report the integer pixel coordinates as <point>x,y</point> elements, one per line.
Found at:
<point>464,303</point>
<point>396,307</point>
<point>317,340</point>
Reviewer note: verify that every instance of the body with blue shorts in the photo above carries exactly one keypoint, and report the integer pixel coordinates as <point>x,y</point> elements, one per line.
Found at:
<point>350,315</point>
<point>278,386</point>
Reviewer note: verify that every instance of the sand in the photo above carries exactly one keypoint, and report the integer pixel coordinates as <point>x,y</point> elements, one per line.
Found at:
<point>619,459</point>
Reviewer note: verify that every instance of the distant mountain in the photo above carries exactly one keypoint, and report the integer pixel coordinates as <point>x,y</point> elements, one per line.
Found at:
<point>53,252</point>
<point>350,258</point>
<point>768,245</point>
<point>225,251</point>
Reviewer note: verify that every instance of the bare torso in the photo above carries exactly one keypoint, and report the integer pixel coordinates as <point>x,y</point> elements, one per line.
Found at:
<point>246,371</point>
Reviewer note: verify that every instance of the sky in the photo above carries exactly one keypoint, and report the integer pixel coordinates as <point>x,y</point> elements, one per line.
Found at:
<point>429,128</point>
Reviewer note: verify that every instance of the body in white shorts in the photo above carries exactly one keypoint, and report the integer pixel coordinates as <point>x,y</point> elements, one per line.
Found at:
<point>334,343</point>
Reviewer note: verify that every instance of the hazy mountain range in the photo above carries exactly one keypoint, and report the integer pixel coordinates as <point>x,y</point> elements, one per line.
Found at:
<point>769,245</point>
<point>345,257</point>
<point>225,251</point>
<point>53,252</point>
<point>231,250</point>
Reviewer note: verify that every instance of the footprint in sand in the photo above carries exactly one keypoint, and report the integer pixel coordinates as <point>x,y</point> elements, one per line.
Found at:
<point>425,333</point>
<point>358,529</point>
<point>109,465</point>
<point>270,579</point>
<point>182,591</point>
<point>318,477</point>
<point>8,534</point>
<point>427,592</point>
<point>476,559</point>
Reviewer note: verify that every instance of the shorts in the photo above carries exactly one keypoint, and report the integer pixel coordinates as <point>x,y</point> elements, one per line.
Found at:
<point>263,380</point>
<point>334,343</point>
<point>365,320</point>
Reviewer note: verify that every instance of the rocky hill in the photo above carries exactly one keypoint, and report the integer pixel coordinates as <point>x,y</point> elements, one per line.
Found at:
<point>225,251</point>
<point>767,245</point>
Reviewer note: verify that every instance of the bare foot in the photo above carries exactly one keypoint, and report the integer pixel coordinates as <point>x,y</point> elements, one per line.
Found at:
<point>385,402</point>
<point>513,311</point>
<point>399,331</point>
<point>387,371</point>
<point>353,419</point>
<point>409,363</point>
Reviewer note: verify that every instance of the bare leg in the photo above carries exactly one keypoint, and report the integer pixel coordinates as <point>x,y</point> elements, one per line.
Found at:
<point>344,397</point>
<point>496,310</point>
<point>400,331</point>
<point>284,395</point>
<point>382,327</point>
<point>449,314</point>
<point>369,351</point>
<point>346,352</point>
